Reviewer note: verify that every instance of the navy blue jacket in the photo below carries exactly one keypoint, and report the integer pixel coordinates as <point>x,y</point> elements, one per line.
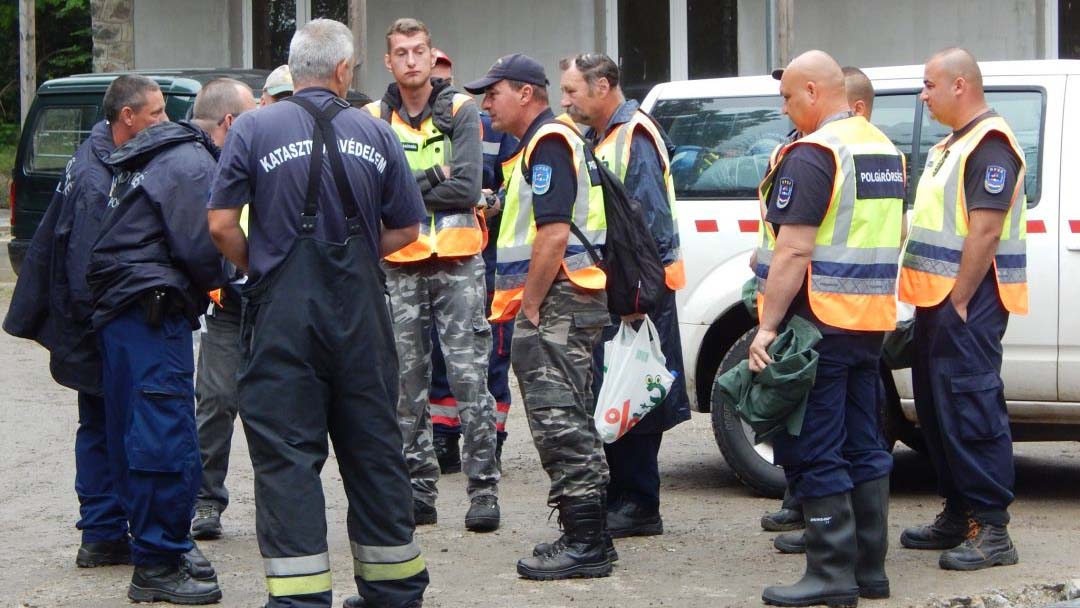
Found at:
<point>52,304</point>
<point>155,233</point>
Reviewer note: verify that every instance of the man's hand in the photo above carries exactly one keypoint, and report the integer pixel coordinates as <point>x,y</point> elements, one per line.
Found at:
<point>961,308</point>
<point>634,317</point>
<point>759,355</point>
<point>532,315</point>
<point>984,232</point>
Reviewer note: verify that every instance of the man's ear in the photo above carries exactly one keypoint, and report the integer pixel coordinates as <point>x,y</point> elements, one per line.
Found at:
<point>126,114</point>
<point>602,86</point>
<point>812,91</point>
<point>386,62</point>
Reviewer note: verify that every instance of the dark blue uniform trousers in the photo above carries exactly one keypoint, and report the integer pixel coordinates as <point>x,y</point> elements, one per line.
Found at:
<point>101,516</point>
<point>960,401</point>
<point>840,445</point>
<point>150,423</point>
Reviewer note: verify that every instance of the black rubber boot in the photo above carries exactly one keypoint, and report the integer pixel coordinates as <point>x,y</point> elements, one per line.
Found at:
<point>789,517</point>
<point>583,554</point>
<point>355,601</point>
<point>987,545</point>
<point>790,543</point>
<point>630,519</point>
<point>949,529</point>
<point>104,553</point>
<point>170,584</point>
<point>424,514</point>
<point>830,558</point>
<point>870,503</point>
<point>448,453</point>
<point>197,565</point>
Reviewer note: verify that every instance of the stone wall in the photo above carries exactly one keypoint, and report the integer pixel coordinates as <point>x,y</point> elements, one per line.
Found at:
<point>113,28</point>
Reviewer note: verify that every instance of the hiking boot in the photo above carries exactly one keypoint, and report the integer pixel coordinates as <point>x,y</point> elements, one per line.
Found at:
<point>790,543</point>
<point>583,554</point>
<point>830,558</point>
<point>448,453</point>
<point>985,546</point>
<point>170,584</point>
<point>560,543</point>
<point>870,503</point>
<point>948,530</point>
<point>196,564</point>
<point>207,522</point>
<point>104,553</point>
<point>629,519</point>
<point>483,515</point>
<point>424,514</point>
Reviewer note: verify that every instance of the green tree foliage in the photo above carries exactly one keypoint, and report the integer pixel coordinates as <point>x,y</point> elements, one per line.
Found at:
<point>64,46</point>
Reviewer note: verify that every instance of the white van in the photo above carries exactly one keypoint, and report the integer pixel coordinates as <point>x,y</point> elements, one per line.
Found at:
<point>724,130</point>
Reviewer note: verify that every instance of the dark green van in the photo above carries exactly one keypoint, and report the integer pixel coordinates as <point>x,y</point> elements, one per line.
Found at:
<point>61,117</point>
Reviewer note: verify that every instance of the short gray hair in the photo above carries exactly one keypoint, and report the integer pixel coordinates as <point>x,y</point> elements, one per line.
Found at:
<point>127,91</point>
<point>220,97</point>
<point>316,50</point>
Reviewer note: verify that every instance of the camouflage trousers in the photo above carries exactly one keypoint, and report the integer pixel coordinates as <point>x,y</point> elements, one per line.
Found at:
<point>554,371</point>
<point>450,294</point>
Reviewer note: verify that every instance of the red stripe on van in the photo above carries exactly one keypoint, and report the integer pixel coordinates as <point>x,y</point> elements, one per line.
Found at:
<point>1036,227</point>
<point>748,225</point>
<point>1074,226</point>
<point>706,226</point>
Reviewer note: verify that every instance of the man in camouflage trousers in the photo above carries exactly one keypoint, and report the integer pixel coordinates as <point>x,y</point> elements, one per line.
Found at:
<point>439,278</point>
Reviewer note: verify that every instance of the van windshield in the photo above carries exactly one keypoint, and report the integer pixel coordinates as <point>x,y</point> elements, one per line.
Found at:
<point>722,144</point>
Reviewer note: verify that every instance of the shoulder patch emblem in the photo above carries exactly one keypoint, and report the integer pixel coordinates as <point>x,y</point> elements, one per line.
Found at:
<point>541,179</point>
<point>995,179</point>
<point>786,188</point>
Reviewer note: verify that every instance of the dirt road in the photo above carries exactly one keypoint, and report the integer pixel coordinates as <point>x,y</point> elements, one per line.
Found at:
<point>713,552</point>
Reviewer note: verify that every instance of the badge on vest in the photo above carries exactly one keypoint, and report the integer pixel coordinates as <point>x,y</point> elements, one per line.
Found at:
<point>995,179</point>
<point>410,146</point>
<point>878,176</point>
<point>541,179</point>
<point>783,194</point>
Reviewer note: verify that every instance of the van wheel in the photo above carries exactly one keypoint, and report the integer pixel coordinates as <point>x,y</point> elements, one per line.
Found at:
<point>753,464</point>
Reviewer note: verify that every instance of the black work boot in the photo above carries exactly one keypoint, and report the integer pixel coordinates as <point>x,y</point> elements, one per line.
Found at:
<point>483,515</point>
<point>500,439</point>
<point>170,584</point>
<point>196,564</point>
<point>631,519</point>
<point>424,514</point>
<point>870,502</point>
<point>949,529</point>
<point>207,522</point>
<point>986,545</point>
<point>448,453</point>
<point>830,558</point>
<point>560,543</point>
<point>355,601</point>
<point>583,554</point>
<point>788,518</point>
<point>790,542</point>
<point>104,553</point>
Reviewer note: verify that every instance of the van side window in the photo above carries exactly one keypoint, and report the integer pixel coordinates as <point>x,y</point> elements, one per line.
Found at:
<point>57,132</point>
<point>722,145</point>
<point>1024,111</point>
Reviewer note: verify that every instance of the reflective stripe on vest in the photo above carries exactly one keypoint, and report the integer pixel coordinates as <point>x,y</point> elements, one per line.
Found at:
<point>614,151</point>
<point>939,226</point>
<point>853,268</point>
<point>456,233</point>
<point>517,229</point>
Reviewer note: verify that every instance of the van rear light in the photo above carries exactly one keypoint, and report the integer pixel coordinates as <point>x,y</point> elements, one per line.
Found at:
<point>11,202</point>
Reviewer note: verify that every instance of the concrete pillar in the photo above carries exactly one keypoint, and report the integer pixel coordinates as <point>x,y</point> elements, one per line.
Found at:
<point>27,58</point>
<point>113,29</point>
<point>358,23</point>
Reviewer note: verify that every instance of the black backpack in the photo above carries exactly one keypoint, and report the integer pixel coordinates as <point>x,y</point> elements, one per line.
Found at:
<point>630,259</point>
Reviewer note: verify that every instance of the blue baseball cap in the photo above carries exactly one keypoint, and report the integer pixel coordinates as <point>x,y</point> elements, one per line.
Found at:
<point>516,66</point>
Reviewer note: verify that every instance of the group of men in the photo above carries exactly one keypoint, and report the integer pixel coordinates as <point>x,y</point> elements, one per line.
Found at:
<point>835,250</point>
<point>349,251</point>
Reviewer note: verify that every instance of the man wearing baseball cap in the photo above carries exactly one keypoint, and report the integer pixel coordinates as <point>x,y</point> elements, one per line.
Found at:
<point>546,280</point>
<point>278,86</point>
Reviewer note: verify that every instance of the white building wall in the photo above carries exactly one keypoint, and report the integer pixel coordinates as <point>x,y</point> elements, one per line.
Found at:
<point>753,37</point>
<point>475,33</point>
<point>188,34</point>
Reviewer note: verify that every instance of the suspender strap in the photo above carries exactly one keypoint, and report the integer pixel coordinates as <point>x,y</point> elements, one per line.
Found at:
<point>325,136</point>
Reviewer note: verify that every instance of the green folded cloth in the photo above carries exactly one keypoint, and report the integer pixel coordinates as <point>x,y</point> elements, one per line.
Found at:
<point>898,348</point>
<point>749,297</point>
<point>774,399</point>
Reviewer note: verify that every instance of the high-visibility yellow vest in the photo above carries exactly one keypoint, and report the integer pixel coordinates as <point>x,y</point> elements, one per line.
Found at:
<point>614,151</point>
<point>455,233</point>
<point>517,228</point>
<point>851,277</point>
<point>217,296</point>
<point>939,226</point>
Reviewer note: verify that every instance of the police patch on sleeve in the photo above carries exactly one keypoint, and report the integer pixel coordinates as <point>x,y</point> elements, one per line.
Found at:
<point>541,179</point>
<point>995,179</point>
<point>786,188</point>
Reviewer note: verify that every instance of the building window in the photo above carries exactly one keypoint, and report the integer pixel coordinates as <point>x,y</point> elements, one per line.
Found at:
<point>644,45</point>
<point>712,38</point>
<point>273,23</point>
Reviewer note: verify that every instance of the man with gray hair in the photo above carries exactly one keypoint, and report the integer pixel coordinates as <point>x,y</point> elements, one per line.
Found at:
<point>319,355</point>
<point>219,103</point>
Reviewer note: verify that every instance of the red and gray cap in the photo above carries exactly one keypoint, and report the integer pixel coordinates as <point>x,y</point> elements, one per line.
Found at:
<point>518,66</point>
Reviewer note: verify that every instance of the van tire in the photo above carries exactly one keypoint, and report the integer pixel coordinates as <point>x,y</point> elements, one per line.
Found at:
<point>737,447</point>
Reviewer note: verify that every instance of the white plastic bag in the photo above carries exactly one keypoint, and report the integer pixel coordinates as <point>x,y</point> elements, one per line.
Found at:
<point>636,380</point>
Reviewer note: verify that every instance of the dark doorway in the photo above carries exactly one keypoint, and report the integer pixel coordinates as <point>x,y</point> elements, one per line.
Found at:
<point>644,45</point>
<point>712,38</point>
